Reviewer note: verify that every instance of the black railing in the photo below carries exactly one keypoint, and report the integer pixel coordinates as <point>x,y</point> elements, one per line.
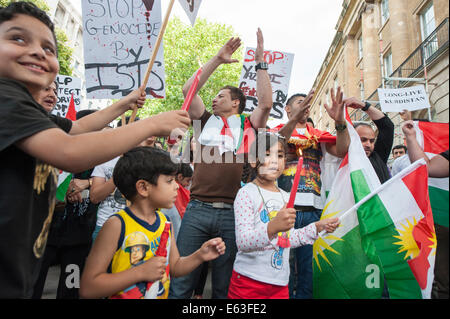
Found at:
<point>431,48</point>
<point>427,51</point>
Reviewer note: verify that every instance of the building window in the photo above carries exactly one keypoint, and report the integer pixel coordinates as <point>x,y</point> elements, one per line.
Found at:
<point>59,14</point>
<point>427,21</point>
<point>360,48</point>
<point>361,91</point>
<point>79,37</point>
<point>76,65</point>
<point>387,60</point>
<point>384,11</point>
<point>71,26</point>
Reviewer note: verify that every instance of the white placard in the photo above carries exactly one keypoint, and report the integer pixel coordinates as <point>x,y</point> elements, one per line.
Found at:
<point>191,7</point>
<point>280,66</point>
<point>119,36</point>
<point>396,100</point>
<point>67,86</point>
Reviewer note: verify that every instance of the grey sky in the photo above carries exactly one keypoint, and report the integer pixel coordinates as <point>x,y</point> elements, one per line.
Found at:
<point>303,27</point>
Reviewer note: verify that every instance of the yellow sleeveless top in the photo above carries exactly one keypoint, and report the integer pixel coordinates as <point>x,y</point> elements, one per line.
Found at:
<point>138,243</point>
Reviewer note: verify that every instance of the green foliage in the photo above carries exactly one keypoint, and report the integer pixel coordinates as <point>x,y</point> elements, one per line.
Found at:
<point>64,50</point>
<point>184,48</point>
<point>64,53</point>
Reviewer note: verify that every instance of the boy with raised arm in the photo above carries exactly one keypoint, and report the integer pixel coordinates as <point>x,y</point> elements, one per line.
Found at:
<point>28,63</point>
<point>223,137</point>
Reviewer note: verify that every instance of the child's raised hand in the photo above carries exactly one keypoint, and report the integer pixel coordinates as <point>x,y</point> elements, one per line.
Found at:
<point>167,122</point>
<point>327,224</point>
<point>212,249</point>
<point>284,220</point>
<point>135,99</point>
<point>153,269</point>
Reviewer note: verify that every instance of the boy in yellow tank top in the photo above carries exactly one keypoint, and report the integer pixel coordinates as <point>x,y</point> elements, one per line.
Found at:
<point>128,259</point>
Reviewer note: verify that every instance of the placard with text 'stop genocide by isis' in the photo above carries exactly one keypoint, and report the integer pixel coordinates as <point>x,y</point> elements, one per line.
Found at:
<point>119,37</point>
<point>280,66</point>
<point>68,86</point>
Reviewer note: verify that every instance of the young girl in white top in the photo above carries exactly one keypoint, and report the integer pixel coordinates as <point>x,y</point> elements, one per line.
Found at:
<point>261,267</point>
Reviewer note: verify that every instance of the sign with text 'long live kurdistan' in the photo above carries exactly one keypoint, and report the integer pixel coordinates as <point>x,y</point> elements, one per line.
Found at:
<point>119,36</point>
<point>411,98</point>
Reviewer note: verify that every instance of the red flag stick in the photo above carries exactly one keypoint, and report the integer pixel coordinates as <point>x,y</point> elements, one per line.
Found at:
<point>192,90</point>
<point>296,181</point>
<point>162,248</point>
<point>283,238</point>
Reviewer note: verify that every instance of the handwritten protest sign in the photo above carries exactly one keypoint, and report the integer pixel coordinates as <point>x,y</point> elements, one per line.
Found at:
<point>118,39</point>
<point>280,66</point>
<point>396,100</point>
<point>67,86</point>
<point>191,7</point>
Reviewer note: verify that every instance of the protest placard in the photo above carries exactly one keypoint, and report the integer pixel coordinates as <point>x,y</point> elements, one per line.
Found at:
<point>67,86</point>
<point>280,66</point>
<point>411,98</point>
<point>191,7</point>
<point>119,36</point>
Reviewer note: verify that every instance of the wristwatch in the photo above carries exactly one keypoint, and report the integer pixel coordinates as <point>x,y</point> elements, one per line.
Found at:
<point>262,66</point>
<point>340,127</point>
<point>366,107</point>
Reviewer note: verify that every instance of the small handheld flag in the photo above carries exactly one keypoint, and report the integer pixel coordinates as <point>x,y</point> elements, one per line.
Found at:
<point>296,181</point>
<point>283,238</point>
<point>192,90</point>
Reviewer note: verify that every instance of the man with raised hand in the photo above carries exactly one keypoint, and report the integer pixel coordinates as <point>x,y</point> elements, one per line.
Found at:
<point>224,137</point>
<point>377,146</point>
<point>312,144</point>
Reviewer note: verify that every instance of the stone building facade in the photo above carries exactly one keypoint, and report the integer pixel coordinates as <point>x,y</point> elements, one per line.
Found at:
<point>376,39</point>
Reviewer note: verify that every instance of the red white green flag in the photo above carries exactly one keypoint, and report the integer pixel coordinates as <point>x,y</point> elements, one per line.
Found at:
<point>64,178</point>
<point>386,234</point>
<point>434,139</point>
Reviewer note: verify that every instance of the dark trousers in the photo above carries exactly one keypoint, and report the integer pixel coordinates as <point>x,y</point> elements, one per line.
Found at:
<point>64,256</point>
<point>440,284</point>
<point>200,223</point>
<point>300,259</point>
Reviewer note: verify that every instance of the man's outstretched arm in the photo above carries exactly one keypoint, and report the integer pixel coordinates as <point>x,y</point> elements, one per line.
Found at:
<point>223,56</point>
<point>261,114</point>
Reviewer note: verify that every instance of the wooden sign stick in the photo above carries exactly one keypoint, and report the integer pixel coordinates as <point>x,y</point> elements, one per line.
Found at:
<point>153,58</point>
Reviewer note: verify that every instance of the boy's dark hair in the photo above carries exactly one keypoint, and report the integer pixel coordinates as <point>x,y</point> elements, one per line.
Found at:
<point>237,94</point>
<point>30,9</point>
<point>396,147</point>
<point>83,113</point>
<point>310,121</point>
<point>146,163</point>
<point>291,99</point>
<point>127,120</point>
<point>185,170</point>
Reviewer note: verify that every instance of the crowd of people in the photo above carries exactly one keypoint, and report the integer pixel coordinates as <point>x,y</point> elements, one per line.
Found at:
<point>141,222</point>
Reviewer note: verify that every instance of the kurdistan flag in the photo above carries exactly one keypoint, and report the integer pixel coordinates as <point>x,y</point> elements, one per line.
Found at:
<point>64,178</point>
<point>386,233</point>
<point>433,138</point>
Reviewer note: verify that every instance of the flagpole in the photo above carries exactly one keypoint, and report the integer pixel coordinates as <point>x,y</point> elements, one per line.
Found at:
<point>154,53</point>
<point>400,175</point>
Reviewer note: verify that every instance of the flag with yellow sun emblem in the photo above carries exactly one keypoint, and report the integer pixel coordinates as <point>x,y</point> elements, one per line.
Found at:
<point>386,236</point>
